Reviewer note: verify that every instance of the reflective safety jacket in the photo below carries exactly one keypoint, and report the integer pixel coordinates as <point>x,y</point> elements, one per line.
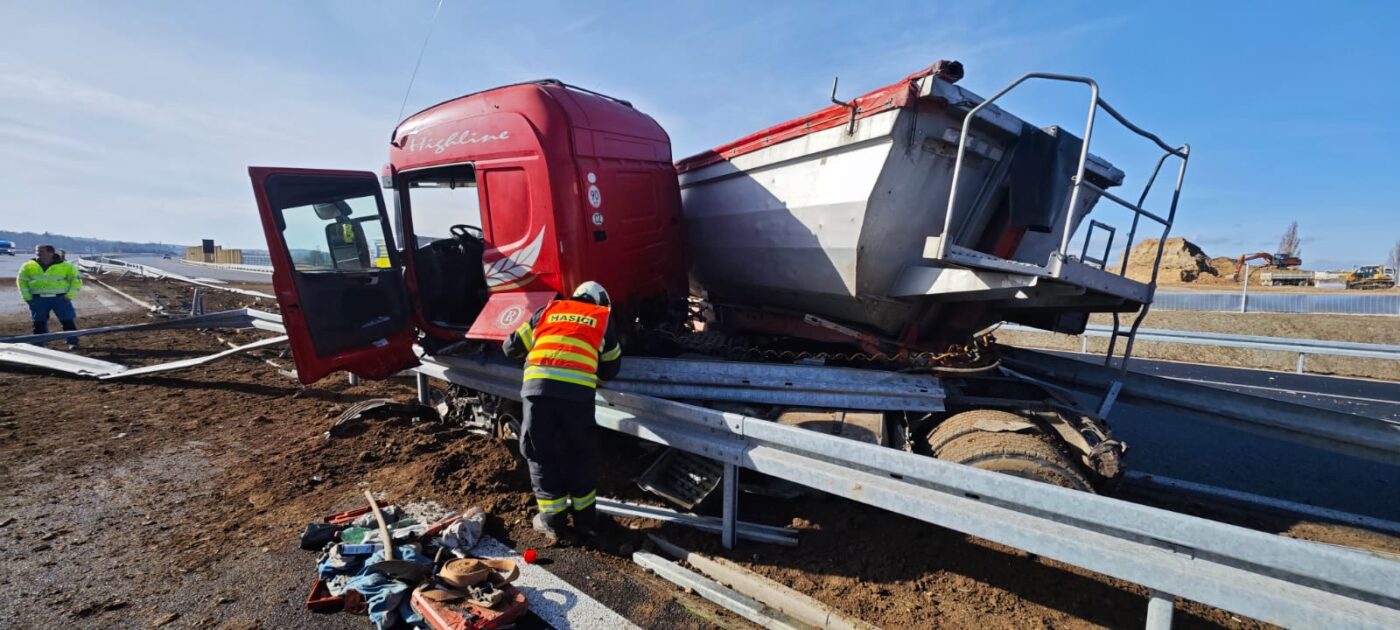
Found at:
<point>60,278</point>
<point>568,346</point>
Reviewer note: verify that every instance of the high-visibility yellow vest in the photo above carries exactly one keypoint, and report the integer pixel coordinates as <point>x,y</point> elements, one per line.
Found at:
<point>61,278</point>
<point>566,343</point>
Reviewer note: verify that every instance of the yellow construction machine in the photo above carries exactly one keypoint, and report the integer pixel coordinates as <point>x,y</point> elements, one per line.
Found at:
<point>1370,277</point>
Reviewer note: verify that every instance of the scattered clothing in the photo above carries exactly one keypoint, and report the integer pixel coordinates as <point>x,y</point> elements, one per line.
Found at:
<point>461,536</point>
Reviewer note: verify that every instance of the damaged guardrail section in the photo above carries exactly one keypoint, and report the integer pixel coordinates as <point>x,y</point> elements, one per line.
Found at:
<point>107,265</point>
<point>21,351</point>
<point>1275,579</point>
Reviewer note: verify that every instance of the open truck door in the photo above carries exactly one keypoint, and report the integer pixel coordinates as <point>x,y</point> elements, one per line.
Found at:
<point>336,274</point>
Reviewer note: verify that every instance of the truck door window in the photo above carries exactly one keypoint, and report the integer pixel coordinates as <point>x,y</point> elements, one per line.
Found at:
<point>341,235</point>
<point>442,199</point>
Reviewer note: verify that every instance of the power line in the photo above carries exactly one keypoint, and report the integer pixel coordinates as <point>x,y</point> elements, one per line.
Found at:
<point>422,50</point>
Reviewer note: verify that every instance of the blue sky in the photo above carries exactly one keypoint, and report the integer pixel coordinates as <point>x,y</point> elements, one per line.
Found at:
<point>137,120</point>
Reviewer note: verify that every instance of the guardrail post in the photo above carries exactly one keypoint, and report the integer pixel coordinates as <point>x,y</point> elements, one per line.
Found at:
<point>423,397</point>
<point>354,379</point>
<point>1159,610</point>
<point>731,505</point>
<point>1084,344</point>
<point>1302,359</point>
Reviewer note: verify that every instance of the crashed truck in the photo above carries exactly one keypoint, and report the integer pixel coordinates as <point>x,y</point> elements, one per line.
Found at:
<point>840,271</point>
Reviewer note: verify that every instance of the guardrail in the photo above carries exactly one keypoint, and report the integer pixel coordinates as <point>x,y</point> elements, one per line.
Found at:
<point>1359,436</point>
<point>1302,347</point>
<point>267,269</point>
<point>107,264</point>
<point>1279,580</point>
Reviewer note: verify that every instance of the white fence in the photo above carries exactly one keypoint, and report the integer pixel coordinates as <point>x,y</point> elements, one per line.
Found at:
<point>1349,303</point>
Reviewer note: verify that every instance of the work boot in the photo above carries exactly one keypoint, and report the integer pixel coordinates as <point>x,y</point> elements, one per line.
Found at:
<point>593,528</point>
<point>69,324</point>
<point>541,525</point>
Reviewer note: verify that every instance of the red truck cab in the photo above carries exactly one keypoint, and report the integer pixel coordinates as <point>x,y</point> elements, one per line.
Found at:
<point>501,200</point>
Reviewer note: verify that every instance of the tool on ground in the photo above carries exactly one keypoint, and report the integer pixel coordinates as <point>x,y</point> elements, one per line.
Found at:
<point>404,570</point>
<point>437,527</point>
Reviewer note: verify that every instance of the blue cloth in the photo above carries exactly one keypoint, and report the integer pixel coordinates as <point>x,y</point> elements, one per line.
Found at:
<point>387,599</point>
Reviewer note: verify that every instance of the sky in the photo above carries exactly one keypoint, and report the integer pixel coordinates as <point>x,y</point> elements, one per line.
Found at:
<point>137,120</point>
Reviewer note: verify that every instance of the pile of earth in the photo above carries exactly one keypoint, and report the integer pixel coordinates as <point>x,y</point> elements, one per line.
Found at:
<point>1182,262</point>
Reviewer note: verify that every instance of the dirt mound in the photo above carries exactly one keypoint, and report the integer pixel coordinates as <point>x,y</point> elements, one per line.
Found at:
<point>1182,262</point>
<point>1225,267</point>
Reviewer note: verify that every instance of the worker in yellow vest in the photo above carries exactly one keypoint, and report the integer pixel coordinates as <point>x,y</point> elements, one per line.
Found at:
<point>568,345</point>
<point>48,284</point>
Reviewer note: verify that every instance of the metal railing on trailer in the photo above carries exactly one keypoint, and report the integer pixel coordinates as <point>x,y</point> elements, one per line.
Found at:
<point>1259,575</point>
<point>1059,265</point>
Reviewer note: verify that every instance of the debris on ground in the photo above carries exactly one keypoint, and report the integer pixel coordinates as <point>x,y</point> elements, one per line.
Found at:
<point>773,594</point>
<point>427,580</point>
<point>28,350</point>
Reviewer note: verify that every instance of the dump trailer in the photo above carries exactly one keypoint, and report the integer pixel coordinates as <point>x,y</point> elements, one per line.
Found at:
<point>1287,278</point>
<point>840,271</point>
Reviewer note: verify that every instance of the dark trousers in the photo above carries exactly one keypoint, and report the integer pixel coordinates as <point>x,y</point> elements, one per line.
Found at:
<point>39,308</point>
<point>559,442</point>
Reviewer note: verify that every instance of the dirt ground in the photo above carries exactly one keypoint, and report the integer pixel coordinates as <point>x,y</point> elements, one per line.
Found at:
<point>177,500</point>
<point>1357,328</point>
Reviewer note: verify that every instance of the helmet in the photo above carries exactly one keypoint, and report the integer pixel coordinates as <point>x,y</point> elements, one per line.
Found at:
<point>593,293</point>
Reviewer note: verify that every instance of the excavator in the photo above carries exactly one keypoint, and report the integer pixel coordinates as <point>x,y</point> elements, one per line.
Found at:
<point>1286,264</point>
<point>1282,261</point>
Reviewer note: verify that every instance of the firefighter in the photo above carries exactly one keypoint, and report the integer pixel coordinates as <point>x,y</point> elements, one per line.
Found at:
<point>48,283</point>
<point>568,345</point>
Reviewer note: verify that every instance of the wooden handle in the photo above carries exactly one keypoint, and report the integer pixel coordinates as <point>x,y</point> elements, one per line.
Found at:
<point>383,528</point>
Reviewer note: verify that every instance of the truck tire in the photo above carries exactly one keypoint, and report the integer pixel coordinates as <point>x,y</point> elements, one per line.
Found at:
<point>1029,455</point>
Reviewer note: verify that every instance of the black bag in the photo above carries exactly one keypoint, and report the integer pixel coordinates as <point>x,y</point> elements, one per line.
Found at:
<point>317,535</point>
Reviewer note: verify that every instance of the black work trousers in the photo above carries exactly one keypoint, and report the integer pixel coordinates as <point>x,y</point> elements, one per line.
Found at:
<point>559,442</point>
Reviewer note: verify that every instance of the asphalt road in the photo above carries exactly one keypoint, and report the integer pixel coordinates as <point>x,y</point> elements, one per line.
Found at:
<point>1208,449</point>
<point>1373,399</point>
<point>197,271</point>
<point>9,265</point>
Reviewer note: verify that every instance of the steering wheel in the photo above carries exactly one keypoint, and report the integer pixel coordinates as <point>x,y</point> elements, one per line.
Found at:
<point>461,231</point>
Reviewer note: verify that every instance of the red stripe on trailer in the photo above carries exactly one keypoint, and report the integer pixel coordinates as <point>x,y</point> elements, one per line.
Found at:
<point>901,94</point>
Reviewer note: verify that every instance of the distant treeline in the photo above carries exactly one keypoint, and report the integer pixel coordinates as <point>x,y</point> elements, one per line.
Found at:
<point>25,242</point>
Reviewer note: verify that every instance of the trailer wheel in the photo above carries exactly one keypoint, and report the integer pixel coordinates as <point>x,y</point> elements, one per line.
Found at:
<point>1029,454</point>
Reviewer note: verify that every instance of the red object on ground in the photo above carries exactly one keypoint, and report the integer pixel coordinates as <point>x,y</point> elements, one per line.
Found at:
<point>460,615</point>
<point>530,556</point>
<point>320,599</point>
<point>341,518</point>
